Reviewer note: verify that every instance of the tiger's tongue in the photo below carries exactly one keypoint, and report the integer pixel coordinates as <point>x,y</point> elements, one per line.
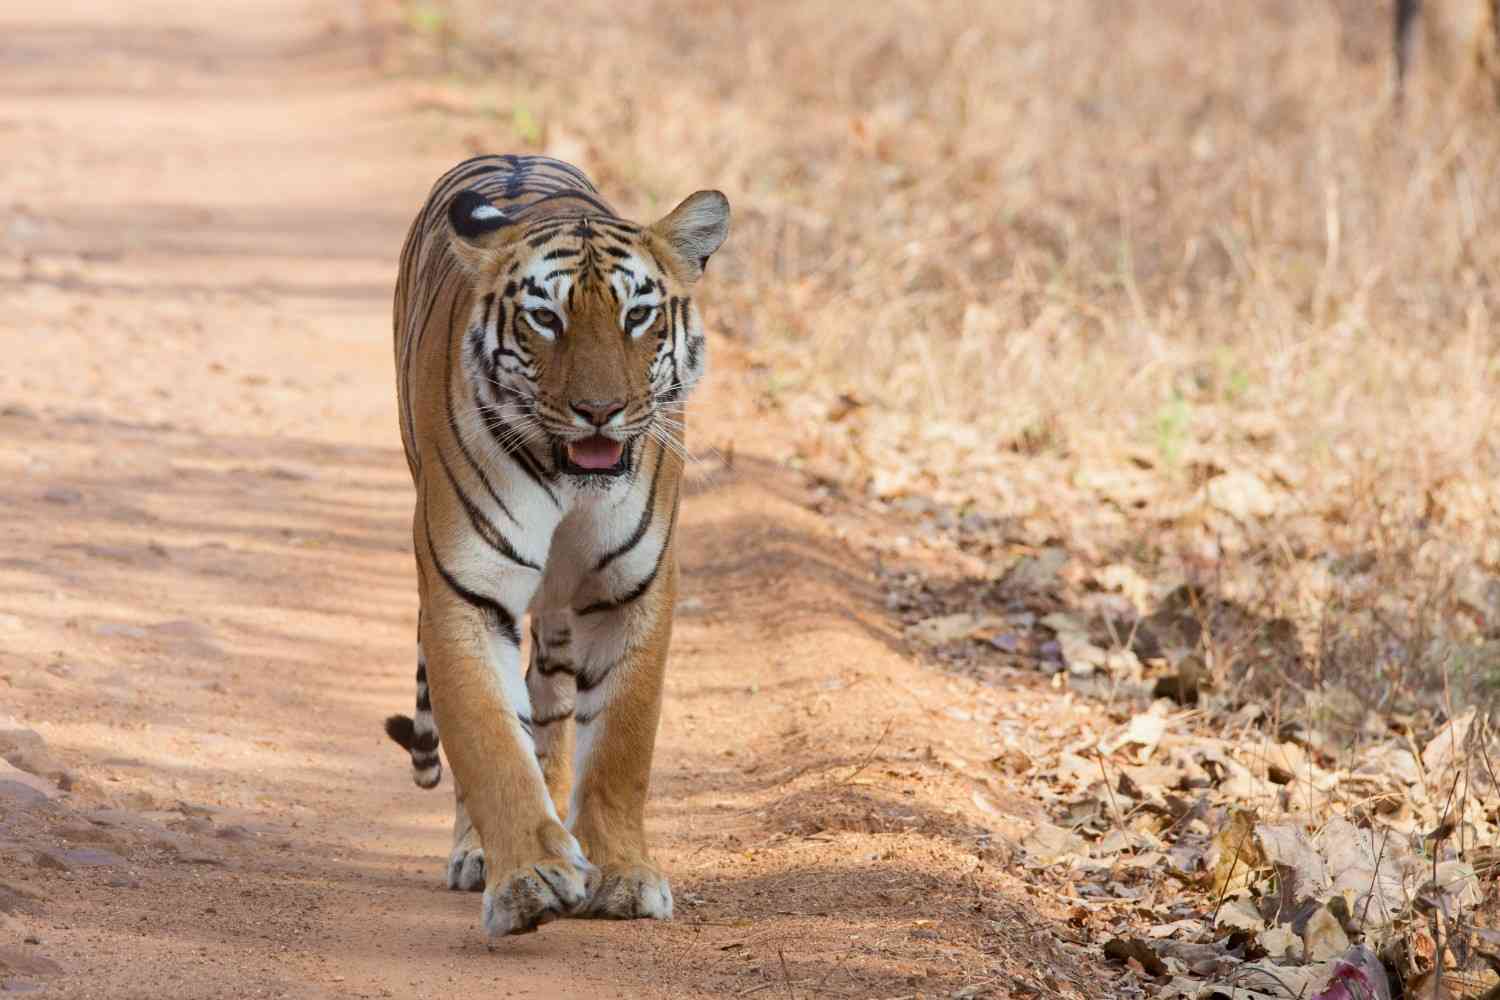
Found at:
<point>597,452</point>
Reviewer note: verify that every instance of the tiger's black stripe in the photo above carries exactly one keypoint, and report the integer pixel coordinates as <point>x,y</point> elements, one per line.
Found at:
<point>463,448</point>
<point>640,588</point>
<point>494,424</point>
<point>499,619</point>
<point>483,526</point>
<point>642,526</point>
<point>541,722</point>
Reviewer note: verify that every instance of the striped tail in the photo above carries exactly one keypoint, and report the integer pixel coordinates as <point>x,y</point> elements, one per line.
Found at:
<point>418,734</point>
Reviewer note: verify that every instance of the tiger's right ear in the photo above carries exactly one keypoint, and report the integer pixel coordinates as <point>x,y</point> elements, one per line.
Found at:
<point>479,229</point>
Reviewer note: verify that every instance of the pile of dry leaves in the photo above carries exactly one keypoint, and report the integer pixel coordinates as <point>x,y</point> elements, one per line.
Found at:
<point>1226,824</point>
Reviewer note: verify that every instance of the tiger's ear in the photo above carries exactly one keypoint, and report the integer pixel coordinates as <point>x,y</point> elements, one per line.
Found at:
<point>479,229</point>
<point>695,229</point>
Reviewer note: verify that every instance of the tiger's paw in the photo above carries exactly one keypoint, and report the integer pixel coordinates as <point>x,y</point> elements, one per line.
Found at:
<point>523,899</point>
<point>466,867</point>
<point>629,892</point>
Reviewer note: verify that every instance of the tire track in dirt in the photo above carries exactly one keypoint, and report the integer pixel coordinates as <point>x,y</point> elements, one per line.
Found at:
<point>207,603</point>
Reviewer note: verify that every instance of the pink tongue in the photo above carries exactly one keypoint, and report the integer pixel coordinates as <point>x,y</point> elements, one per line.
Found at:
<point>597,452</point>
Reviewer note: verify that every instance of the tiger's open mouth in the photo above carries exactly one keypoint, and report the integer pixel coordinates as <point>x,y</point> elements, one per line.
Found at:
<point>593,456</point>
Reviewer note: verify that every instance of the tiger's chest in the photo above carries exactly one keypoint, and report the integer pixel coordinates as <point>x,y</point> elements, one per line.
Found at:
<point>608,541</point>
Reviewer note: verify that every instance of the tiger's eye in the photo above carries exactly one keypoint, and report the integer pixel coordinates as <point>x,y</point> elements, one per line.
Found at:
<point>637,316</point>
<point>547,318</point>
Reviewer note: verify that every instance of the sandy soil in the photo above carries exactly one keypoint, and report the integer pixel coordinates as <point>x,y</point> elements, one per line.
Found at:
<point>207,597</point>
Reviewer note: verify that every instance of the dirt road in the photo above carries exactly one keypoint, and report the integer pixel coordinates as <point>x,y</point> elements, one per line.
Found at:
<point>207,597</point>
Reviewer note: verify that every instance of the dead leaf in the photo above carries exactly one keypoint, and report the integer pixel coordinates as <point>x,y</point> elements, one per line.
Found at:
<point>951,628</point>
<point>1323,937</point>
<point>1236,854</point>
<point>1081,655</point>
<point>1174,928</point>
<point>1265,980</point>
<point>1035,574</point>
<point>1444,748</point>
<point>1285,763</point>
<point>1124,579</point>
<point>1238,913</point>
<point>1244,496</point>
<point>1182,686</point>
<point>1144,731</point>
<point>1287,845</point>
<point>1454,889</point>
<point>1390,759</point>
<point>1048,844</point>
<point>1123,949</point>
<point>1280,942</point>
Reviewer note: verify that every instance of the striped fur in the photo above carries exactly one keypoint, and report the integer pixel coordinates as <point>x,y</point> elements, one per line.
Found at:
<point>545,349</point>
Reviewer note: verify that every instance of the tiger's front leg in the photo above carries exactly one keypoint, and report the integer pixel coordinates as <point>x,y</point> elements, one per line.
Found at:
<point>534,869</point>
<point>551,683</point>
<point>619,684</point>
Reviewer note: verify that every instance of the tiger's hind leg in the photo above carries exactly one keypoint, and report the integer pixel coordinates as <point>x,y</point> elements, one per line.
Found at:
<point>466,859</point>
<point>418,733</point>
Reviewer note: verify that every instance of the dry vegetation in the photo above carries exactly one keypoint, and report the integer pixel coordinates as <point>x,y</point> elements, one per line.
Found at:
<point>1169,342</point>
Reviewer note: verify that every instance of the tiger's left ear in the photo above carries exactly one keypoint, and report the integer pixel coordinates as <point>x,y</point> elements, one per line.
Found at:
<point>479,229</point>
<point>695,229</point>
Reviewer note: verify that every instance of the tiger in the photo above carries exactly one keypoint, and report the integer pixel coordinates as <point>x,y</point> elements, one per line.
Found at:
<point>545,351</point>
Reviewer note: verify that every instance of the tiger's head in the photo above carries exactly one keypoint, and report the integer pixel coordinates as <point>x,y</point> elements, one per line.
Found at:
<point>583,335</point>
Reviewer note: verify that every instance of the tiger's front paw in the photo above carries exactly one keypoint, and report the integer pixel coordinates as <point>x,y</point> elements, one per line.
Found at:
<point>521,900</point>
<point>629,892</point>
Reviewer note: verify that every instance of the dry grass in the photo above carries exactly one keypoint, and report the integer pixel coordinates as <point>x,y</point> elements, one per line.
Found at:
<point>1068,264</point>
<point>1174,289</point>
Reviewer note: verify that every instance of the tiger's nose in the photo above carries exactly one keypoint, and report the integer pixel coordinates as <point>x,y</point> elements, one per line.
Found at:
<point>598,412</point>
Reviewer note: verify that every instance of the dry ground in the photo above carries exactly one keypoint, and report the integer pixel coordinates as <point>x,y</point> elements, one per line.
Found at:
<point>208,601</point>
<point>1152,318</point>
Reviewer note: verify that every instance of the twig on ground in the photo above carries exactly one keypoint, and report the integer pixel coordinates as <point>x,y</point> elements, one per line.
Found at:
<point>1228,877</point>
<point>871,755</point>
<point>836,966</point>
<point>1374,878</point>
<point>1114,806</point>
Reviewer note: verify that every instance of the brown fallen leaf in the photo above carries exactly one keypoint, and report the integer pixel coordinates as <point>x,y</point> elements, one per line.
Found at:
<point>1244,496</point>
<point>1453,986</point>
<point>1236,853</point>
<point>950,628</point>
<point>1323,937</point>
<point>1047,844</point>
<point>1182,686</point>
<point>1124,949</point>
<point>1444,748</point>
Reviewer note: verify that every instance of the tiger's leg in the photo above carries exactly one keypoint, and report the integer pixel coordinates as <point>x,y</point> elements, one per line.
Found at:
<point>549,681</point>
<point>552,686</point>
<point>466,859</point>
<point>533,868</point>
<point>620,680</point>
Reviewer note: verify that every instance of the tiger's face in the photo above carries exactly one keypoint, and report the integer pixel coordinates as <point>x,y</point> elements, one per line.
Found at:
<point>583,336</point>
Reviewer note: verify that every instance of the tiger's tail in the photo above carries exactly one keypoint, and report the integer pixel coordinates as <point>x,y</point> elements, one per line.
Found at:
<point>418,734</point>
